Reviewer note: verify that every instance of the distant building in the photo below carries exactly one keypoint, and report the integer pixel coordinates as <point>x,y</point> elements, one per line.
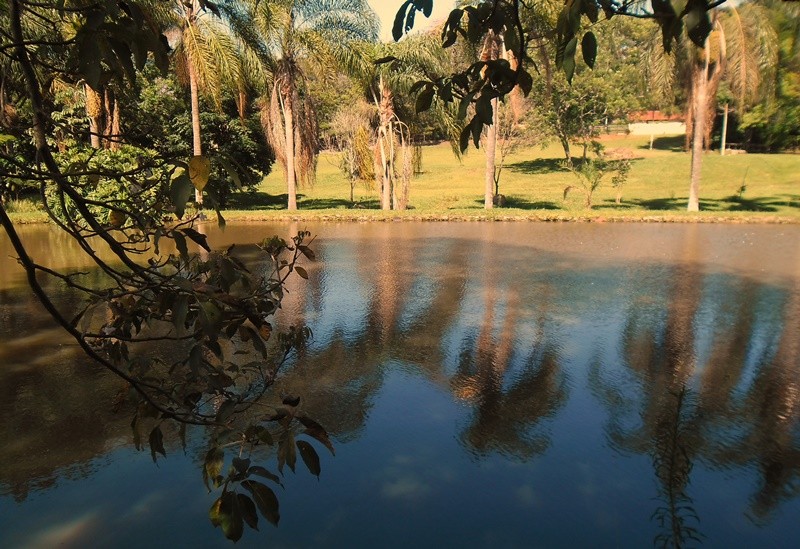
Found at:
<point>655,123</point>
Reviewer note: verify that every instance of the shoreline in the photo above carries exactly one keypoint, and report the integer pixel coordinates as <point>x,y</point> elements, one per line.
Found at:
<point>495,215</point>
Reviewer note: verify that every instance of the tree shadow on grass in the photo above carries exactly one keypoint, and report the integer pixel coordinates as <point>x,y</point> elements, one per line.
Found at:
<point>259,200</point>
<point>674,143</point>
<point>734,203</point>
<point>540,166</point>
<point>523,204</point>
<point>340,204</point>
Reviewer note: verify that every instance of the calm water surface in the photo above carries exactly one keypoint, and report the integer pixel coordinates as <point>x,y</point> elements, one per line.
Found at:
<point>505,385</point>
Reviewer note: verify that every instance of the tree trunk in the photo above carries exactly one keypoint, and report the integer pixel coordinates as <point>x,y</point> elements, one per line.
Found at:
<point>116,128</point>
<point>492,46</point>
<point>386,169</point>
<point>723,137</point>
<point>699,107</point>
<point>241,105</point>
<point>567,151</point>
<point>491,148</point>
<point>197,145</point>
<point>94,111</point>
<point>291,174</point>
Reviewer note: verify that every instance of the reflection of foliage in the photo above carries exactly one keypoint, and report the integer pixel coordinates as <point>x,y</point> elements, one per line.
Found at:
<point>673,467</point>
<point>504,416</point>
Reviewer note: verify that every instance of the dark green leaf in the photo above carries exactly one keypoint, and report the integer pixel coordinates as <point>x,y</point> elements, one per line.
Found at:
<point>308,252</point>
<point>315,430</point>
<point>590,10</point>
<point>484,110</point>
<point>477,127</point>
<point>287,453</point>
<point>310,457</point>
<point>464,105</point>
<point>232,172</point>
<point>180,191</point>
<point>248,510</point>
<point>225,512</point>
<point>226,411</point>
<point>156,441</point>
<point>426,6</point>
<point>463,138</point>
<point>265,499</point>
<point>291,400</point>
<point>180,244</point>
<point>525,82</point>
<point>589,48</point>
<point>262,472</point>
<point>211,318</point>
<point>198,238</point>
<point>397,27</point>
<point>179,311</point>
<point>424,99</point>
<point>301,271</point>
<point>698,25</point>
<point>89,61</point>
<point>418,85</point>
<point>568,64</point>
<point>137,435</point>
<point>241,464</point>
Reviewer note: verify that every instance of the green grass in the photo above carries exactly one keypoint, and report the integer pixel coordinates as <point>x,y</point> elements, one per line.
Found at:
<point>534,181</point>
<point>25,210</point>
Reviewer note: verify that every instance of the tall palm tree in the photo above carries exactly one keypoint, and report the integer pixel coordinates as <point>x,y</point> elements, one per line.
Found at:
<point>414,58</point>
<point>296,35</point>
<point>741,49</point>
<point>206,59</point>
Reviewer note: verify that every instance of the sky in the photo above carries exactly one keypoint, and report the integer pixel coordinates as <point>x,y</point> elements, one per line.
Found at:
<point>387,9</point>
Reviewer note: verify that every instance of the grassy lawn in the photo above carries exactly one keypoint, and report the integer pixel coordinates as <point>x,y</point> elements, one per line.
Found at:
<point>534,181</point>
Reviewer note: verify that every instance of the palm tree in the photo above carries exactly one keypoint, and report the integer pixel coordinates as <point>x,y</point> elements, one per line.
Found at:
<point>414,59</point>
<point>205,59</point>
<point>741,49</point>
<point>293,35</point>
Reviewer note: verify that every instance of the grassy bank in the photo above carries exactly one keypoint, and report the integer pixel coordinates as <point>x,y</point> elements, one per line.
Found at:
<point>735,188</point>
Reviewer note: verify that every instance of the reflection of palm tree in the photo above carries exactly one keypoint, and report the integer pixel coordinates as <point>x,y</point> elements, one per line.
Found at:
<point>663,359</point>
<point>505,413</point>
<point>339,394</point>
<point>774,402</point>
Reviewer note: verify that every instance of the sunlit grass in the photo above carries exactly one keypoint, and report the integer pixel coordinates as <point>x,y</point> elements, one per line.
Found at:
<point>743,187</point>
<point>736,187</point>
<point>25,210</point>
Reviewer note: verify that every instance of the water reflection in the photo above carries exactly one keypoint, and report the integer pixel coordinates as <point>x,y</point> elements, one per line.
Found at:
<point>687,352</point>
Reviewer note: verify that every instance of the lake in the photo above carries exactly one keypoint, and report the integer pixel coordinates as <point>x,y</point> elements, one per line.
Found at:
<point>484,384</point>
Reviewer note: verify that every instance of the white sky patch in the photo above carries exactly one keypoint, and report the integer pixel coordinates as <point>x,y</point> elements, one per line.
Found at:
<point>408,488</point>
<point>387,9</point>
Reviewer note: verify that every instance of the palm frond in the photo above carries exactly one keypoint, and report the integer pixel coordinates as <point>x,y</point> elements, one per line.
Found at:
<point>355,19</point>
<point>752,51</point>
